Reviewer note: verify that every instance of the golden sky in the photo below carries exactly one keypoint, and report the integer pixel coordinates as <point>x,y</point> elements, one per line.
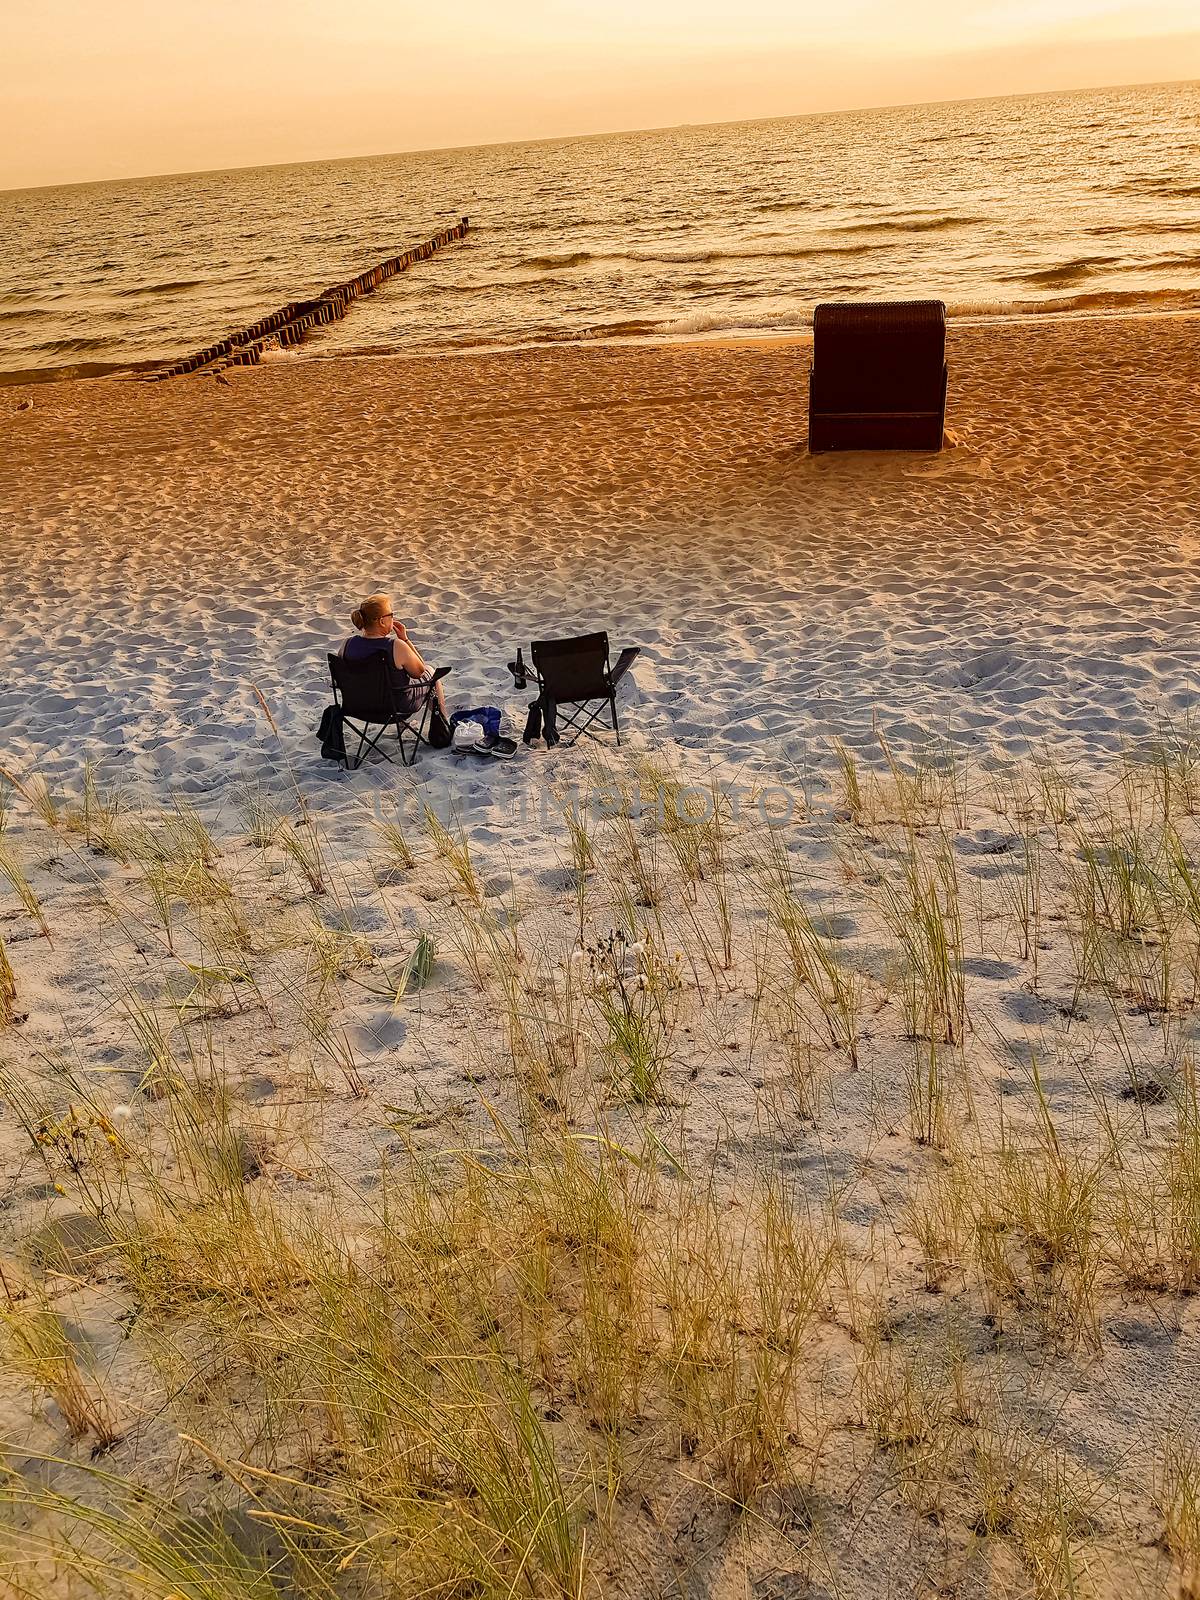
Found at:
<point>117,88</point>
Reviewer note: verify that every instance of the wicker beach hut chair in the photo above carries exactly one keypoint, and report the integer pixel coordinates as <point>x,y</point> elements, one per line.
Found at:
<point>878,378</point>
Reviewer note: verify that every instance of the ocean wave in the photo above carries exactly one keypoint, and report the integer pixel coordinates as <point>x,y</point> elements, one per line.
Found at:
<point>629,328</point>
<point>496,288</point>
<point>1098,301</point>
<point>528,336</point>
<point>681,258</point>
<point>1161,188</point>
<point>799,317</point>
<point>778,321</point>
<point>575,258</point>
<point>675,258</point>
<point>737,321</point>
<point>1062,273</point>
<point>171,287</point>
<point>1150,230</point>
<point>704,256</point>
<point>68,347</point>
<point>76,369</point>
<point>1188,263</point>
<point>912,224</point>
<point>349,350</point>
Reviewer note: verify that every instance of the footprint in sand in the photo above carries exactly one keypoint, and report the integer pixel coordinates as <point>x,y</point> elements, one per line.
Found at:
<point>1029,1009</point>
<point>985,842</point>
<point>956,467</point>
<point>374,1030</point>
<point>988,967</point>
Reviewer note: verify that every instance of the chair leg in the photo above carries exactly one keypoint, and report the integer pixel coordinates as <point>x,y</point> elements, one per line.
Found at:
<point>587,714</point>
<point>587,717</point>
<point>418,730</point>
<point>365,743</point>
<point>575,724</point>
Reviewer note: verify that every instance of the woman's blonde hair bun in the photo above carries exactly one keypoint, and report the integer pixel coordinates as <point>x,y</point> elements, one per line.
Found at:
<point>372,608</point>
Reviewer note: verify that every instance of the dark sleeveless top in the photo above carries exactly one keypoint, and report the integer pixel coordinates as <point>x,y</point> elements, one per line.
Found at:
<point>360,649</point>
<point>406,686</point>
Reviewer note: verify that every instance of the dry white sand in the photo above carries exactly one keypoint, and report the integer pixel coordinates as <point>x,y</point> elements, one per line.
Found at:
<point>168,547</point>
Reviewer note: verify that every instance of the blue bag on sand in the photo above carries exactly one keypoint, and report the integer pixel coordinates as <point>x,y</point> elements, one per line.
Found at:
<point>487,716</point>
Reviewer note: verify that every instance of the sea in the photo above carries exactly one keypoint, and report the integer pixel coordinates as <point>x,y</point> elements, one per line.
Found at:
<point>1077,204</point>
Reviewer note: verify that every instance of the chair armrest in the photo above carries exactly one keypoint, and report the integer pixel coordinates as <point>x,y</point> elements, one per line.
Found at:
<point>439,673</point>
<point>624,661</point>
<point>523,678</point>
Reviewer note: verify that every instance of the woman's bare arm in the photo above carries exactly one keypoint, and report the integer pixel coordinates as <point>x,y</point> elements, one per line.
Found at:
<point>406,658</point>
<point>403,653</point>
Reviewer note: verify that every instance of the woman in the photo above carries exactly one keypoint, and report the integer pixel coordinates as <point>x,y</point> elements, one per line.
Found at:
<point>380,632</point>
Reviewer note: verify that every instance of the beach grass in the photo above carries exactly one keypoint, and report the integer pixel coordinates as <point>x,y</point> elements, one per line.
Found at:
<point>698,1198</point>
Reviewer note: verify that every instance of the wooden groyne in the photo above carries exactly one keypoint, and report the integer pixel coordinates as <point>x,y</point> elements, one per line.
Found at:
<point>293,322</point>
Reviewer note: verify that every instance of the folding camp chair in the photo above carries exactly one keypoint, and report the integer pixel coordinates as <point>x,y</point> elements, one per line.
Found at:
<point>575,672</point>
<point>370,694</point>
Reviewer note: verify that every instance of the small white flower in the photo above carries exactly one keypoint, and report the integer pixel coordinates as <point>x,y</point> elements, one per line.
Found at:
<point>121,1113</point>
<point>638,949</point>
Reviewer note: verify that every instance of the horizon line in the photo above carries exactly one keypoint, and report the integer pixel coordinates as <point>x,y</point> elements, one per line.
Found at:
<point>601,133</point>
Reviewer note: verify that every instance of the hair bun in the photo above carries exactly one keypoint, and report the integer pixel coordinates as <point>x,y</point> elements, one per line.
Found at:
<point>356,617</point>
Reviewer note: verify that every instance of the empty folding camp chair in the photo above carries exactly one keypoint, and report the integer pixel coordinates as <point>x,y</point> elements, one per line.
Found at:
<point>878,379</point>
<point>576,673</point>
<point>372,694</point>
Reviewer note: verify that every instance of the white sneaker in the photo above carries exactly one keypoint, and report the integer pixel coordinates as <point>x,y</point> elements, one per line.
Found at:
<point>467,736</point>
